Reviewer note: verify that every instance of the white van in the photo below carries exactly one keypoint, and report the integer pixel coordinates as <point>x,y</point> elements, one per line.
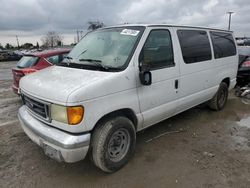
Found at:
<point>122,79</point>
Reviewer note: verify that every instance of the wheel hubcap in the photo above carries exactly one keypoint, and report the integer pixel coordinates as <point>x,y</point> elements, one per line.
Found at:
<point>118,145</point>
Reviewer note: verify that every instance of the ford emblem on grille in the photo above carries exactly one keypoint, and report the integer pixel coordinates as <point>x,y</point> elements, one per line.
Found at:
<point>37,107</point>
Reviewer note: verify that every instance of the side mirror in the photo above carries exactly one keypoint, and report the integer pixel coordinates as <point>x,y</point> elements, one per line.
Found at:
<point>145,74</point>
<point>145,77</point>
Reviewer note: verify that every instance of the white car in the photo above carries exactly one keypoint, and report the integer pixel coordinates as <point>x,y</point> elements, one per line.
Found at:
<point>122,79</point>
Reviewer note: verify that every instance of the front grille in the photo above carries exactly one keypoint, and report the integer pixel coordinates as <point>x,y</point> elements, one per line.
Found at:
<point>37,107</point>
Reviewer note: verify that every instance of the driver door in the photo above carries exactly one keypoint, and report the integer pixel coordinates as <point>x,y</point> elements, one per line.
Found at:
<point>159,100</point>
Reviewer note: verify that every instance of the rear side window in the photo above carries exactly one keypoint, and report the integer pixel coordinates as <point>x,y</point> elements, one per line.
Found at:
<point>53,59</point>
<point>157,51</point>
<point>223,44</point>
<point>27,61</point>
<point>195,45</point>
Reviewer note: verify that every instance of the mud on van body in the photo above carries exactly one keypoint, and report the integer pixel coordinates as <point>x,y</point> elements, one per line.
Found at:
<point>122,79</point>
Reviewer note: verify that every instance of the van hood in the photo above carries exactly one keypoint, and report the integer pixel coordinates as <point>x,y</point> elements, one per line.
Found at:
<point>56,84</point>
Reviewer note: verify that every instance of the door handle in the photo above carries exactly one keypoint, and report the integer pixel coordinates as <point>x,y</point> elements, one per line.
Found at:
<point>176,84</point>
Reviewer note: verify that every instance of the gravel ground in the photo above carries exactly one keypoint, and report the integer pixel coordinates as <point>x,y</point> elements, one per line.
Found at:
<point>197,148</point>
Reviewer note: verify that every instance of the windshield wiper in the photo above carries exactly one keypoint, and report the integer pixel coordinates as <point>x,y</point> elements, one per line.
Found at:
<point>96,62</point>
<point>91,60</point>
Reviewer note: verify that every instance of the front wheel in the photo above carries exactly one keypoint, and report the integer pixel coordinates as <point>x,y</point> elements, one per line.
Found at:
<point>113,144</point>
<point>220,99</point>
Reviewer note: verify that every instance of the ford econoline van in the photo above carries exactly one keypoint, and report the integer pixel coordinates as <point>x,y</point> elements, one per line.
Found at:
<point>122,79</point>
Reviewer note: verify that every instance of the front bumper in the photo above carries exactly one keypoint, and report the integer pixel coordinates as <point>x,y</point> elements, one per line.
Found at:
<point>57,144</point>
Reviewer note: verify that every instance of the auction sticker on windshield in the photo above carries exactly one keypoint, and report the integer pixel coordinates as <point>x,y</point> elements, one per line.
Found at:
<point>130,32</point>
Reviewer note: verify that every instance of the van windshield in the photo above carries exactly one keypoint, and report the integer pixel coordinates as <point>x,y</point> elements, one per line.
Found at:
<point>106,48</point>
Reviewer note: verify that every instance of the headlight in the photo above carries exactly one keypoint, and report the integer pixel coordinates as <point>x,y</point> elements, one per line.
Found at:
<point>71,115</point>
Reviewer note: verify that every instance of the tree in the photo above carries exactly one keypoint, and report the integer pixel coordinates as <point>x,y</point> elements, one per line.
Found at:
<point>37,45</point>
<point>1,47</point>
<point>51,39</point>
<point>8,46</point>
<point>95,25</point>
<point>27,45</point>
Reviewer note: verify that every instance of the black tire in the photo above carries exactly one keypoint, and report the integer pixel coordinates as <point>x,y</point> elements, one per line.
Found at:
<point>219,100</point>
<point>113,144</point>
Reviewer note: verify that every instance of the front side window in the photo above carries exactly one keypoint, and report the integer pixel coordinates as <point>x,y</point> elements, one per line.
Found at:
<point>27,61</point>
<point>109,48</point>
<point>157,51</point>
<point>195,45</point>
<point>223,44</point>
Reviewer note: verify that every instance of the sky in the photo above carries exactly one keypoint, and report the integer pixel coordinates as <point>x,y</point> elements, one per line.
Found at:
<point>31,19</point>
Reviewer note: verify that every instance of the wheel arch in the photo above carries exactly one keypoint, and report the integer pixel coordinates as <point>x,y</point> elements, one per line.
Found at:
<point>126,112</point>
<point>227,81</point>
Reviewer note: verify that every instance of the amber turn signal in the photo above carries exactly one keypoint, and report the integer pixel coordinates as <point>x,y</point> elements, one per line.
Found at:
<point>75,114</point>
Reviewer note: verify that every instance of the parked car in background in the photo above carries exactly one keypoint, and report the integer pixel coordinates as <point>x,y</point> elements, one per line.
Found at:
<point>13,56</point>
<point>36,61</point>
<point>243,75</point>
<point>7,55</point>
<point>3,55</point>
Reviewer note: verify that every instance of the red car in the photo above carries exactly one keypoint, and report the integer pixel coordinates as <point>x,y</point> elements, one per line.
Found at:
<point>34,62</point>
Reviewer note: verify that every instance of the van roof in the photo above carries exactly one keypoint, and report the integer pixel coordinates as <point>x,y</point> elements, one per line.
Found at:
<point>169,25</point>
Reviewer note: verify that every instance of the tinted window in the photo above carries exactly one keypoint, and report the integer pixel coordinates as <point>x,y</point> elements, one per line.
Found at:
<point>223,44</point>
<point>157,51</point>
<point>195,45</point>
<point>27,61</point>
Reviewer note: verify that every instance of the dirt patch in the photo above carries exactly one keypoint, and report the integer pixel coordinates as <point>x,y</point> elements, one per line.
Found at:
<point>5,69</point>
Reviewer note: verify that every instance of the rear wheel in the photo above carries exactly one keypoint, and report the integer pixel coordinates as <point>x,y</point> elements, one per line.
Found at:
<point>220,98</point>
<point>113,144</point>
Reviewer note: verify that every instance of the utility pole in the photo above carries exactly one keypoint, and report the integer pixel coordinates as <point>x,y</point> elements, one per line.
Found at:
<point>229,21</point>
<point>81,34</point>
<point>77,35</point>
<point>17,41</point>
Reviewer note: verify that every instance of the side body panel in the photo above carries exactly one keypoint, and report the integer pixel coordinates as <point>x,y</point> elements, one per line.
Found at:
<point>195,83</point>
<point>200,81</point>
<point>41,64</point>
